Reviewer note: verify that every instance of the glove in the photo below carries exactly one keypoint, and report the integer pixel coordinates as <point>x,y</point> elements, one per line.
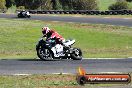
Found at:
<point>44,35</point>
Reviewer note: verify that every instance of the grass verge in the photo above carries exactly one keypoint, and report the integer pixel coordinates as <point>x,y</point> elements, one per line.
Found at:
<point>49,81</point>
<point>18,38</point>
<point>104,4</point>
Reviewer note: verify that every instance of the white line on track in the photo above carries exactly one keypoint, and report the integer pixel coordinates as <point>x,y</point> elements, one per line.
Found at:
<point>127,18</point>
<point>21,74</point>
<point>111,72</point>
<point>105,58</point>
<point>107,17</point>
<point>117,18</point>
<point>61,73</point>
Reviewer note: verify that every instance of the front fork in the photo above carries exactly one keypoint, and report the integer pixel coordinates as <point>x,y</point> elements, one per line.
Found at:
<point>68,51</point>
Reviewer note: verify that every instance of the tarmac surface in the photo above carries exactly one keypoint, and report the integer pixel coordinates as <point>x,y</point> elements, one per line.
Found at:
<point>93,20</point>
<point>36,66</point>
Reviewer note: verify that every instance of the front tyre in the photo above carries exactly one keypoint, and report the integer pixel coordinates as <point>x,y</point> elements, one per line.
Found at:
<point>44,54</point>
<point>77,54</point>
<point>18,15</point>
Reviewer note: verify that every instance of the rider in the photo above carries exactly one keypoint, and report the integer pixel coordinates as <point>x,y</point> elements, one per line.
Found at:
<point>51,34</point>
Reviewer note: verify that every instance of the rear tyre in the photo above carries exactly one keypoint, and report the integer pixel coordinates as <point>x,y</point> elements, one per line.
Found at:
<point>77,54</point>
<point>44,54</point>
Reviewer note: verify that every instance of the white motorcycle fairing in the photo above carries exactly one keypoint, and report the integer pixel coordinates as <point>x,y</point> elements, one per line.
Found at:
<point>69,43</point>
<point>28,13</point>
<point>58,48</point>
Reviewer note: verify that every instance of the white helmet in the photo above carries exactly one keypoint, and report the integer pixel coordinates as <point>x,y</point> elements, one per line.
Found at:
<point>45,30</point>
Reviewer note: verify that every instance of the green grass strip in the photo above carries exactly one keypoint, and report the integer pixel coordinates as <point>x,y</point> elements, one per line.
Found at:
<point>18,38</point>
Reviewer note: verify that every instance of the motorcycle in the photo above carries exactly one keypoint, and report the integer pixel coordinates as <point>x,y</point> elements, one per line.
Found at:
<point>23,14</point>
<point>49,50</point>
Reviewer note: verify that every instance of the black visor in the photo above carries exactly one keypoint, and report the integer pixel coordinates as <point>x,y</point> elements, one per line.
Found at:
<point>44,32</point>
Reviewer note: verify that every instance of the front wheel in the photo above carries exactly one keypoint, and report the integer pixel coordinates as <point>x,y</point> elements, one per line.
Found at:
<point>77,54</point>
<point>18,15</point>
<point>44,54</point>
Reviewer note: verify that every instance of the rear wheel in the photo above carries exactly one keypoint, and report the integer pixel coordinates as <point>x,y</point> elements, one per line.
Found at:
<point>77,54</point>
<point>44,54</point>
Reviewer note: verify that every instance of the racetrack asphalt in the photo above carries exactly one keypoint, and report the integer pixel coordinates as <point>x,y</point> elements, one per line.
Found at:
<point>91,20</point>
<point>36,66</point>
